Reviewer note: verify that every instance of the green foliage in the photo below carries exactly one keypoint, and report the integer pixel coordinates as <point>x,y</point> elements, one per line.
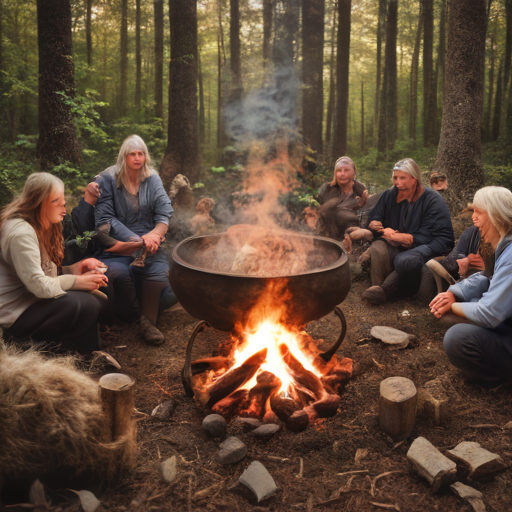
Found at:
<point>500,176</point>
<point>217,169</point>
<point>72,176</point>
<point>83,241</point>
<point>198,185</point>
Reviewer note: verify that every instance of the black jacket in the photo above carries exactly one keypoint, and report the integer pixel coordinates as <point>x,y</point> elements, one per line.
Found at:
<point>427,219</point>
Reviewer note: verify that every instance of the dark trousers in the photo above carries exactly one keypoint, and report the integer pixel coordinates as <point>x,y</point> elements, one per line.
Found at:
<point>397,270</point>
<point>69,323</point>
<point>131,295</point>
<point>484,355</point>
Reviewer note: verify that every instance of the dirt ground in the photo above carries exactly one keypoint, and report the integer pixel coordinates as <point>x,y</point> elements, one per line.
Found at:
<point>327,448</point>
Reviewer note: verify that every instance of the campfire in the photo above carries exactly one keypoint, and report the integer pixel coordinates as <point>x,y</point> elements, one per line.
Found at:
<point>271,371</point>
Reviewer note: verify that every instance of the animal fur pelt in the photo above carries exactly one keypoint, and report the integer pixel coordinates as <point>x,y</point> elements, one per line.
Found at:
<point>51,419</point>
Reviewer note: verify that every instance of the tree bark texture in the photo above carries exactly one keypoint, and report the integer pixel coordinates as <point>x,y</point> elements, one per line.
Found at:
<point>57,135</point>
<point>388,122</point>
<point>413,84</point>
<point>159,57</point>
<point>123,86</point>
<point>332,83</point>
<point>182,152</point>
<point>268,9</point>
<point>429,101</point>
<point>312,71</point>
<point>234,48</point>
<point>339,146</point>
<point>219,95</point>
<point>138,57</point>
<point>88,34</point>
<point>487,114</point>
<point>440,64</point>
<point>202,120</point>
<point>459,153</point>
<point>496,120</point>
<point>381,27</point>
<point>508,46</point>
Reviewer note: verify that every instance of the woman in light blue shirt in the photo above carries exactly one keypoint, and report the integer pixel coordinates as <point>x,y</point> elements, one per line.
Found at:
<point>480,343</point>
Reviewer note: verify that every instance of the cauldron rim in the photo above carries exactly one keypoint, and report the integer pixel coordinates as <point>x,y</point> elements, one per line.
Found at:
<point>341,260</point>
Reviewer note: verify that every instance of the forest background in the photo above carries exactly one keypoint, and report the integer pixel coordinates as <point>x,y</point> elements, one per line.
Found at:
<point>197,80</point>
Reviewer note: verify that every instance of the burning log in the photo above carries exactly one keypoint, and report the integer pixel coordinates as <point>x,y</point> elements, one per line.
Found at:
<point>235,378</point>
<point>302,376</point>
<point>209,363</point>
<point>230,405</point>
<point>298,421</point>
<point>267,385</point>
<point>284,407</point>
<point>327,406</point>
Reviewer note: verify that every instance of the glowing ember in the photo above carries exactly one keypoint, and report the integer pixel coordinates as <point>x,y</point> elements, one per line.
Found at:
<point>270,336</point>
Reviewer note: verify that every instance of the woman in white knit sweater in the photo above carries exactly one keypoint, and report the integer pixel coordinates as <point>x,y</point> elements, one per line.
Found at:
<point>39,299</point>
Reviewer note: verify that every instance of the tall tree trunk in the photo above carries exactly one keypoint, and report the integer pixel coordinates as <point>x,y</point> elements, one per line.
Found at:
<point>182,152</point>
<point>283,56</point>
<point>388,122</point>
<point>339,146</point>
<point>234,48</point>
<point>413,84</point>
<point>88,34</point>
<point>487,115</point>
<point>440,64</point>
<point>220,129</point>
<point>362,145</point>
<point>57,135</point>
<point>268,9</point>
<point>312,71</point>
<point>138,57</point>
<point>123,86</point>
<point>332,82</point>
<point>496,121</point>
<point>381,26</point>
<point>459,153</point>
<point>201,99</point>
<point>158,6</point>
<point>508,46</point>
<point>429,102</point>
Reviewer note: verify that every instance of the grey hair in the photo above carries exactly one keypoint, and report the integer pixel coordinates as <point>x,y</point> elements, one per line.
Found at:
<point>409,166</point>
<point>132,143</point>
<point>497,202</point>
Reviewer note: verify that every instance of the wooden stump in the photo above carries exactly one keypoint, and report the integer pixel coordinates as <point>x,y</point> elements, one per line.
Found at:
<point>397,407</point>
<point>116,392</point>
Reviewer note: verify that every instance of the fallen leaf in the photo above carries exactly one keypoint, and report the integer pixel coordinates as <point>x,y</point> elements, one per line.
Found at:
<point>88,501</point>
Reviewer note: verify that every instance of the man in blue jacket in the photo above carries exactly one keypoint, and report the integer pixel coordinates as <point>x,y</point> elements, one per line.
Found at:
<point>414,225</point>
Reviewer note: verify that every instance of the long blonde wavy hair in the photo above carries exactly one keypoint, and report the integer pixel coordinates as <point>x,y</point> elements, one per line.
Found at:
<point>31,206</point>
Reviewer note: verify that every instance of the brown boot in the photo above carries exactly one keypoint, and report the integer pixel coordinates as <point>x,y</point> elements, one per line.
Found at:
<point>151,335</point>
<point>375,295</point>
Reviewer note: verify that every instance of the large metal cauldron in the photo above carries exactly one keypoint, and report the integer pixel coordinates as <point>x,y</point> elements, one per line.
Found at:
<point>224,299</point>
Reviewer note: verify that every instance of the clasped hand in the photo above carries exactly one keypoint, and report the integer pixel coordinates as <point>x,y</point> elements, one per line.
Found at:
<point>152,242</point>
<point>442,303</point>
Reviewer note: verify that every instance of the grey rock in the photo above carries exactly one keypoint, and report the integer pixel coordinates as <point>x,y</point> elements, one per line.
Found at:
<point>164,411</point>
<point>431,464</point>
<point>480,463</point>
<point>258,480</point>
<point>394,338</point>
<point>266,431</point>
<point>473,496</point>
<point>215,425</point>
<point>169,469</point>
<point>231,450</point>
<point>433,402</point>
<point>250,423</point>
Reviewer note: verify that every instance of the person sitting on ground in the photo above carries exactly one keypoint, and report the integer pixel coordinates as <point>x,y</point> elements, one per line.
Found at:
<point>470,255</point>
<point>479,343</point>
<point>132,214</point>
<point>438,181</point>
<point>414,225</point>
<point>39,299</point>
<point>340,199</point>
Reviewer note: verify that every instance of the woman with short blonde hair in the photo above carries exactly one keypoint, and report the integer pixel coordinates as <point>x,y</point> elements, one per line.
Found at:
<point>39,298</point>
<point>480,341</point>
